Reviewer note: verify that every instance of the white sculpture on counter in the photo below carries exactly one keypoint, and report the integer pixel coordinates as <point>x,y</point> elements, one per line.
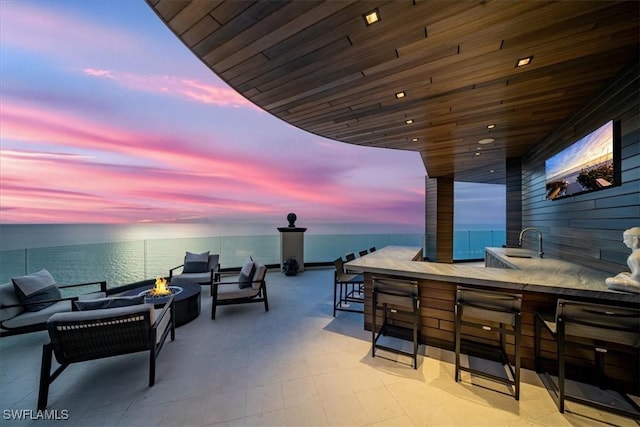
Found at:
<point>629,282</point>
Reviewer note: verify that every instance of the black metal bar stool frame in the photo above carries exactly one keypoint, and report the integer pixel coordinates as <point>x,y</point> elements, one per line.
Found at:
<point>354,289</point>
<point>345,286</point>
<point>397,296</point>
<point>596,327</point>
<point>496,307</point>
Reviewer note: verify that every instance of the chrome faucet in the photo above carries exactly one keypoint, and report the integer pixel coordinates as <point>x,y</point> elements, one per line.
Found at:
<point>539,239</point>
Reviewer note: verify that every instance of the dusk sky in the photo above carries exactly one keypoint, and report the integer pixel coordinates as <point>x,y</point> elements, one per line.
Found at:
<point>106,117</point>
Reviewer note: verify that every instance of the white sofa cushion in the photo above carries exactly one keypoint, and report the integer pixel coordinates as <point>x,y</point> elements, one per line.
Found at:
<point>18,317</point>
<point>8,297</point>
<point>191,278</point>
<point>29,318</point>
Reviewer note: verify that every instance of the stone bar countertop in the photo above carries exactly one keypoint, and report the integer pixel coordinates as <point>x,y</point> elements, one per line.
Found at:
<point>528,272</point>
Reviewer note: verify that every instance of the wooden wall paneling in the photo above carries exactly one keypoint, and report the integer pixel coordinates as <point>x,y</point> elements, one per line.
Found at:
<point>587,229</point>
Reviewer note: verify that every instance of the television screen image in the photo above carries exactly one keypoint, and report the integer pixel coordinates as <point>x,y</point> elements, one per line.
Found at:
<point>587,165</point>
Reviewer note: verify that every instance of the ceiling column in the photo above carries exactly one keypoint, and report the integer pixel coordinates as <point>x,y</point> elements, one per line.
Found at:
<point>439,220</point>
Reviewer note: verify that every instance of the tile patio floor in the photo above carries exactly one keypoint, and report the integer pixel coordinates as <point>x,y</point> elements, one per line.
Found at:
<point>293,366</point>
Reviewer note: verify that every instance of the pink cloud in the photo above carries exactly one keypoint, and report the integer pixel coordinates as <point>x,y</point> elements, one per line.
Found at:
<point>117,193</point>
<point>81,184</point>
<point>98,73</point>
<point>186,88</point>
<point>165,152</point>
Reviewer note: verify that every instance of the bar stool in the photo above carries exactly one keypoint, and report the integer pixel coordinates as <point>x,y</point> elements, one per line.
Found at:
<point>354,291</point>
<point>600,328</point>
<point>399,297</point>
<point>495,312</point>
<point>343,289</point>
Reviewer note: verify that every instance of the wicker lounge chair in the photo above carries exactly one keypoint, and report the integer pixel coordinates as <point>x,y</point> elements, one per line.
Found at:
<point>80,336</point>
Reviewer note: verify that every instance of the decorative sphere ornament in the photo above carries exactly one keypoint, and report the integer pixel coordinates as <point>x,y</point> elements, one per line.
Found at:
<point>292,219</point>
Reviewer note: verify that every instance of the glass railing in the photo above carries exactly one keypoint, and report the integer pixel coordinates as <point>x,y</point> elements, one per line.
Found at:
<point>468,245</point>
<point>126,262</point>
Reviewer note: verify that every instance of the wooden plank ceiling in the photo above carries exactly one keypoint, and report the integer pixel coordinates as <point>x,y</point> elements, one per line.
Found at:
<point>318,66</point>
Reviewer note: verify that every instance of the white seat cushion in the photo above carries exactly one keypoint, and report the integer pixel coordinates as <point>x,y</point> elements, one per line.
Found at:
<point>191,278</point>
<point>29,318</point>
<point>231,292</point>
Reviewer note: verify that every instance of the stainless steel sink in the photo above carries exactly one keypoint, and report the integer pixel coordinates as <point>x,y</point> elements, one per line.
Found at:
<point>518,256</point>
<point>517,253</point>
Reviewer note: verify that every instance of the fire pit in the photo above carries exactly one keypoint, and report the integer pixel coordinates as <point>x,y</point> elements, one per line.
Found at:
<point>186,298</point>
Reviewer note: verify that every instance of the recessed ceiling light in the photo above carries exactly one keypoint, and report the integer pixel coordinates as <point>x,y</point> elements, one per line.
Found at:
<point>477,154</point>
<point>414,139</point>
<point>524,61</point>
<point>400,95</point>
<point>491,171</point>
<point>408,121</point>
<point>486,141</point>
<point>371,17</point>
<point>491,126</point>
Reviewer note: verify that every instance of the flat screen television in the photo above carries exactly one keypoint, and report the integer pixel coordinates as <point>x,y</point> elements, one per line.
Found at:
<point>591,163</point>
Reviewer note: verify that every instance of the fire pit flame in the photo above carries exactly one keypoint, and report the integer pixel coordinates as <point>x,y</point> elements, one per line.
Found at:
<point>161,289</point>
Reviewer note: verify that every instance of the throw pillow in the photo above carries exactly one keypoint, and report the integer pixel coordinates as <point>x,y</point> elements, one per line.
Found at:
<point>196,263</point>
<point>36,287</point>
<point>246,274</point>
<point>100,303</point>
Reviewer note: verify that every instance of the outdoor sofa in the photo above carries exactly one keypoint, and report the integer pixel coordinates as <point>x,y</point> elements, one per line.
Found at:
<point>29,312</point>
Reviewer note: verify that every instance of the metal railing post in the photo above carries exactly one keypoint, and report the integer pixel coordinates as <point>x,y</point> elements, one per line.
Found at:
<point>144,263</point>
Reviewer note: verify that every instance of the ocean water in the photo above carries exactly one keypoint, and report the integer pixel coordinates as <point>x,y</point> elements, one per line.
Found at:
<point>23,236</point>
<point>121,254</point>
